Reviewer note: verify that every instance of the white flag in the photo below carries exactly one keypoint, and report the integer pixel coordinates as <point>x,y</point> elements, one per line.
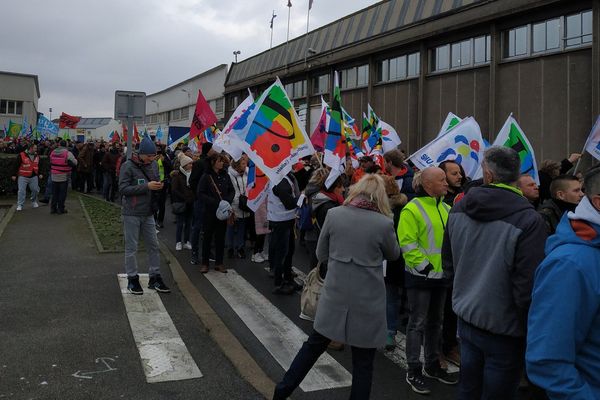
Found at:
<point>389,137</point>
<point>228,142</point>
<point>451,121</point>
<point>592,144</point>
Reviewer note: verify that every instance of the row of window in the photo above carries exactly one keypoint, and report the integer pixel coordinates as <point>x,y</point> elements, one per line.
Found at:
<point>465,53</point>
<point>217,105</point>
<point>11,107</point>
<point>397,68</point>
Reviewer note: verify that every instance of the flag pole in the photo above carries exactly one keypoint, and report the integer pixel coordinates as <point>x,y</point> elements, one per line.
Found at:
<point>272,19</point>
<point>289,5</point>
<point>306,37</point>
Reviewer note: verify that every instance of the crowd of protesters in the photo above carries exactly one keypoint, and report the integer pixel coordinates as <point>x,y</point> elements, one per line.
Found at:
<point>469,262</point>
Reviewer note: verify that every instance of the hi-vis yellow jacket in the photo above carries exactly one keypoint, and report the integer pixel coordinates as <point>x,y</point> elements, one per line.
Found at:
<point>421,233</point>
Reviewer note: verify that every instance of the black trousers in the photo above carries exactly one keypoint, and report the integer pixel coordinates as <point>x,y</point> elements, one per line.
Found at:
<point>59,196</point>
<point>315,345</point>
<point>213,229</point>
<point>282,244</point>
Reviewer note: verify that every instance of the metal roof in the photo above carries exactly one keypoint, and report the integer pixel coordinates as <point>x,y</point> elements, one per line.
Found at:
<point>380,18</point>
<point>92,123</point>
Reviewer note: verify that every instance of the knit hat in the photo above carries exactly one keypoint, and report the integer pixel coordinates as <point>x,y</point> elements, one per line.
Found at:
<point>147,146</point>
<point>184,160</point>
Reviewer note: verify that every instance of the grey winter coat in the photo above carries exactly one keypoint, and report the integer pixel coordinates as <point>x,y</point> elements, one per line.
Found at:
<point>354,242</point>
<point>133,186</point>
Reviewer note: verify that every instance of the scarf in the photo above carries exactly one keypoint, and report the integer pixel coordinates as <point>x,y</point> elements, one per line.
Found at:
<point>361,202</point>
<point>336,198</point>
<point>187,175</point>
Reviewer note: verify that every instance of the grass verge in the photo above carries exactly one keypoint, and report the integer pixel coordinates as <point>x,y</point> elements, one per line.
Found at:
<point>106,222</point>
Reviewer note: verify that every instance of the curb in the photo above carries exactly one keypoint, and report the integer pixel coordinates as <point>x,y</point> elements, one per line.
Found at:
<point>7,218</point>
<point>247,367</point>
<point>99,246</point>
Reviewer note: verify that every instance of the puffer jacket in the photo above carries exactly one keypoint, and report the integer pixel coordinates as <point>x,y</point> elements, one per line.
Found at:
<point>133,186</point>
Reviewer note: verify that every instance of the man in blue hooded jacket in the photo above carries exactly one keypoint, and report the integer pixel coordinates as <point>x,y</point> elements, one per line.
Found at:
<point>563,341</point>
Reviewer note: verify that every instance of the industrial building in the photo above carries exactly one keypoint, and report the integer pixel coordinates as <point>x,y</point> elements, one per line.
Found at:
<point>415,61</point>
<point>19,95</point>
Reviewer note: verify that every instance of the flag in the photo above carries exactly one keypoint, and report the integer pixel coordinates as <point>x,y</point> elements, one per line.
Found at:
<point>136,135</point>
<point>46,127</point>
<point>159,134</point>
<point>270,133</point>
<point>23,132</point>
<point>68,121</point>
<point>451,121</point>
<point>66,135</point>
<point>203,116</point>
<point>124,132</point>
<point>350,125</point>
<point>228,142</point>
<point>208,135</point>
<point>592,144</point>
<point>115,137</point>
<point>14,129</point>
<point>320,133</point>
<point>371,132</point>
<point>511,135</point>
<point>257,186</point>
<point>462,144</point>
<point>389,137</point>
<point>178,134</point>
<point>335,143</point>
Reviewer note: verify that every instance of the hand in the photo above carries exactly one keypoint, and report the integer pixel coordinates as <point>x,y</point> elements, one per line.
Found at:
<point>574,157</point>
<point>14,178</point>
<point>153,185</point>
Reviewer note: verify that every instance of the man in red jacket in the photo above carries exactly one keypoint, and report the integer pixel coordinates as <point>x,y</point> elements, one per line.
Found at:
<point>27,174</point>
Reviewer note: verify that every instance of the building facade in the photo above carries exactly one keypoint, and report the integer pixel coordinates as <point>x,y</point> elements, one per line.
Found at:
<point>19,95</point>
<point>415,61</point>
<point>175,105</point>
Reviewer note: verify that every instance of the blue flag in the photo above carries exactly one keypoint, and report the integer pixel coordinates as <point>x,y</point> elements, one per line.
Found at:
<point>46,127</point>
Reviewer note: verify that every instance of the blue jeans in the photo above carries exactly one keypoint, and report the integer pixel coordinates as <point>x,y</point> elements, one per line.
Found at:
<point>392,300</point>
<point>315,345</point>
<point>48,192</point>
<point>23,183</point>
<point>490,365</point>
<point>281,250</point>
<point>236,234</point>
<point>132,227</point>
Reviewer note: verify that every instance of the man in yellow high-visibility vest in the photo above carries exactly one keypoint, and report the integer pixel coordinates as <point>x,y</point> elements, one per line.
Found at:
<point>421,234</point>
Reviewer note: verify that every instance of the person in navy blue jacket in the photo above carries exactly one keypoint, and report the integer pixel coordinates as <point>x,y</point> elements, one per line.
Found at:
<point>563,340</point>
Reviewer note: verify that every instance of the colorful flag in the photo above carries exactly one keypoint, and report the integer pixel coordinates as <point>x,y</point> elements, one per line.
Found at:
<point>511,135</point>
<point>68,121</point>
<point>592,144</point>
<point>389,137</point>
<point>203,117</point>
<point>24,132</point>
<point>14,129</point>
<point>159,133</point>
<point>226,141</point>
<point>46,127</point>
<point>178,134</point>
<point>350,126</point>
<point>371,132</point>
<point>335,143</point>
<point>270,133</point>
<point>320,133</point>
<point>463,144</point>
<point>257,186</point>
<point>451,121</point>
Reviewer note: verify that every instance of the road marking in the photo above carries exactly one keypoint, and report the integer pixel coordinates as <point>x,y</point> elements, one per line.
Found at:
<point>300,278</point>
<point>162,351</point>
<point>398,355</point>
<point>280,336</point>
<point>86,374</point>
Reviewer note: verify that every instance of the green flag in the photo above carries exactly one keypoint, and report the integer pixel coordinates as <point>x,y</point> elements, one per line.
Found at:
<point>14,129</point>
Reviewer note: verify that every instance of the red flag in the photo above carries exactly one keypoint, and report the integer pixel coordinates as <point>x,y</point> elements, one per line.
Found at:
<point>124,133</point>
<point>136,135</point>
<point>68,121</point>
<point>203,117</point>
<point>115,137</point>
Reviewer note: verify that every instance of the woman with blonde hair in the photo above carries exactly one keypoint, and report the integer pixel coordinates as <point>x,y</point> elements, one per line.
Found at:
<point>354,241</point>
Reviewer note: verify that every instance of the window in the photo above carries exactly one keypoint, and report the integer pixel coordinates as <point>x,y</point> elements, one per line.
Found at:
<point>463,54</point>
<point>440,61</point>
<point>482,49</point>
<point>546,35</point>
<point>11,107</point>
<point>185,113</point>
<point>397,68</point>
<point>220,105</point>
<point>355,77</point>
<point>414,65</point>
<point>296,89</point>
<point>321,84</point>
<point>176,114</point>
<point>516,42</point>
<point>578,29</point>
<point>234,101</point>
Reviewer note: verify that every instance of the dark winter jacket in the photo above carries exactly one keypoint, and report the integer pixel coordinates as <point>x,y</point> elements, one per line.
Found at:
<point>133,186</point>
<point>493,243</point>
<point>208,193</point>
<point>109,161</point>
<point>180,191</point>
<point>198,168</point>
<point>552,211</point>
<point>395,269</point>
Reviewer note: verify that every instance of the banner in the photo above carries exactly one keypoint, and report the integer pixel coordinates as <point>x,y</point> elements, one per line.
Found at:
<point>257,186</point>
<point>68,121</point>
<point>14,129</point>
<point>462,144</point>
<point>451,121</point>
<point>227,142</point>
<point>592,144</point>
<point>46,127</point>
<point>203,116</point>
<point>270,134</point>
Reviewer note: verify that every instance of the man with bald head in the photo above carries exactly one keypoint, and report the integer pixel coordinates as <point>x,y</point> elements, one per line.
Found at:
<point>493,243</point>
<point>420,233</point>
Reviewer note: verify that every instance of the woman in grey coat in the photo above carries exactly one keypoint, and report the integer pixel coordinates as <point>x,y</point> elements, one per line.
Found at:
<point>352,306</point>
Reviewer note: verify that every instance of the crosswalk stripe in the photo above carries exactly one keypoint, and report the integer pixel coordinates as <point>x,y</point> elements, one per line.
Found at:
<point>398,355</point>
<point>280,336</point>
<point>163,354</point>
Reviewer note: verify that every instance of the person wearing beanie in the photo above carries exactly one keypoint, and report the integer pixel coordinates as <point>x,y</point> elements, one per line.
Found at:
<point>182,193</point>
<point>139,184</point>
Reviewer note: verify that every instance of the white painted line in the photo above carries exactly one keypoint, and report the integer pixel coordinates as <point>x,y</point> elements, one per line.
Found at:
<point>162,351</point>
<point>300,276</point>
<point>398,355</point>
<point>280,336</point>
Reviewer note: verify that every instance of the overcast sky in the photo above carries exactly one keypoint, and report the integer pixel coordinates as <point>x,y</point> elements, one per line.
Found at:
<point>84,50</point>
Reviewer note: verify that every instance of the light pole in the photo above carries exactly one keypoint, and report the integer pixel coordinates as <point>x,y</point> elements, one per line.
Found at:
<point>50,109</point>
<point>235,54</point>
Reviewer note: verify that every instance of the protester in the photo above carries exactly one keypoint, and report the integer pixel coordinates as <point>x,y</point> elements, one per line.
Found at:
<point>282,203</point>
<point>198,168</point>
<point>352,301</point>
<point>493,243</point>
<point>236,233</point>
<point>214,188</point>
<point>85,168</point>
<point>62,161</point>
<point>182,193</point>
<point>563,338</point>
<point>420,232</point>
<point>402,173</point>
<point>164,172</point>
<point>526,184</point>
<point>98,169</point>
<point>364,163</point>
<point>27,175</point>
<point>566,194</point>
<point>138,185</point>
<point>455,176</point>
<point>550,169</point>
<point>109,166</point>
<point>261,227</point>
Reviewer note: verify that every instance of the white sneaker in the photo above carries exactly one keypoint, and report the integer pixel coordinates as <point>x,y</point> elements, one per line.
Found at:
<point>187,245</point>
<point>35,204</point>
<point>257,258</point>
<point>178,246</point>
<point>19,208</point>
<point>265,256</point>
<point>157,231</point>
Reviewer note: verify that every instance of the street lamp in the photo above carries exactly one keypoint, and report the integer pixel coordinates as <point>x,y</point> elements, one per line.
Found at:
<point>235,54</point>
<point>50,109</point>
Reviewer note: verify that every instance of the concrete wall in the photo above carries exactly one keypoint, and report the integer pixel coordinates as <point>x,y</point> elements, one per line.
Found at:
<point>19,88</point>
